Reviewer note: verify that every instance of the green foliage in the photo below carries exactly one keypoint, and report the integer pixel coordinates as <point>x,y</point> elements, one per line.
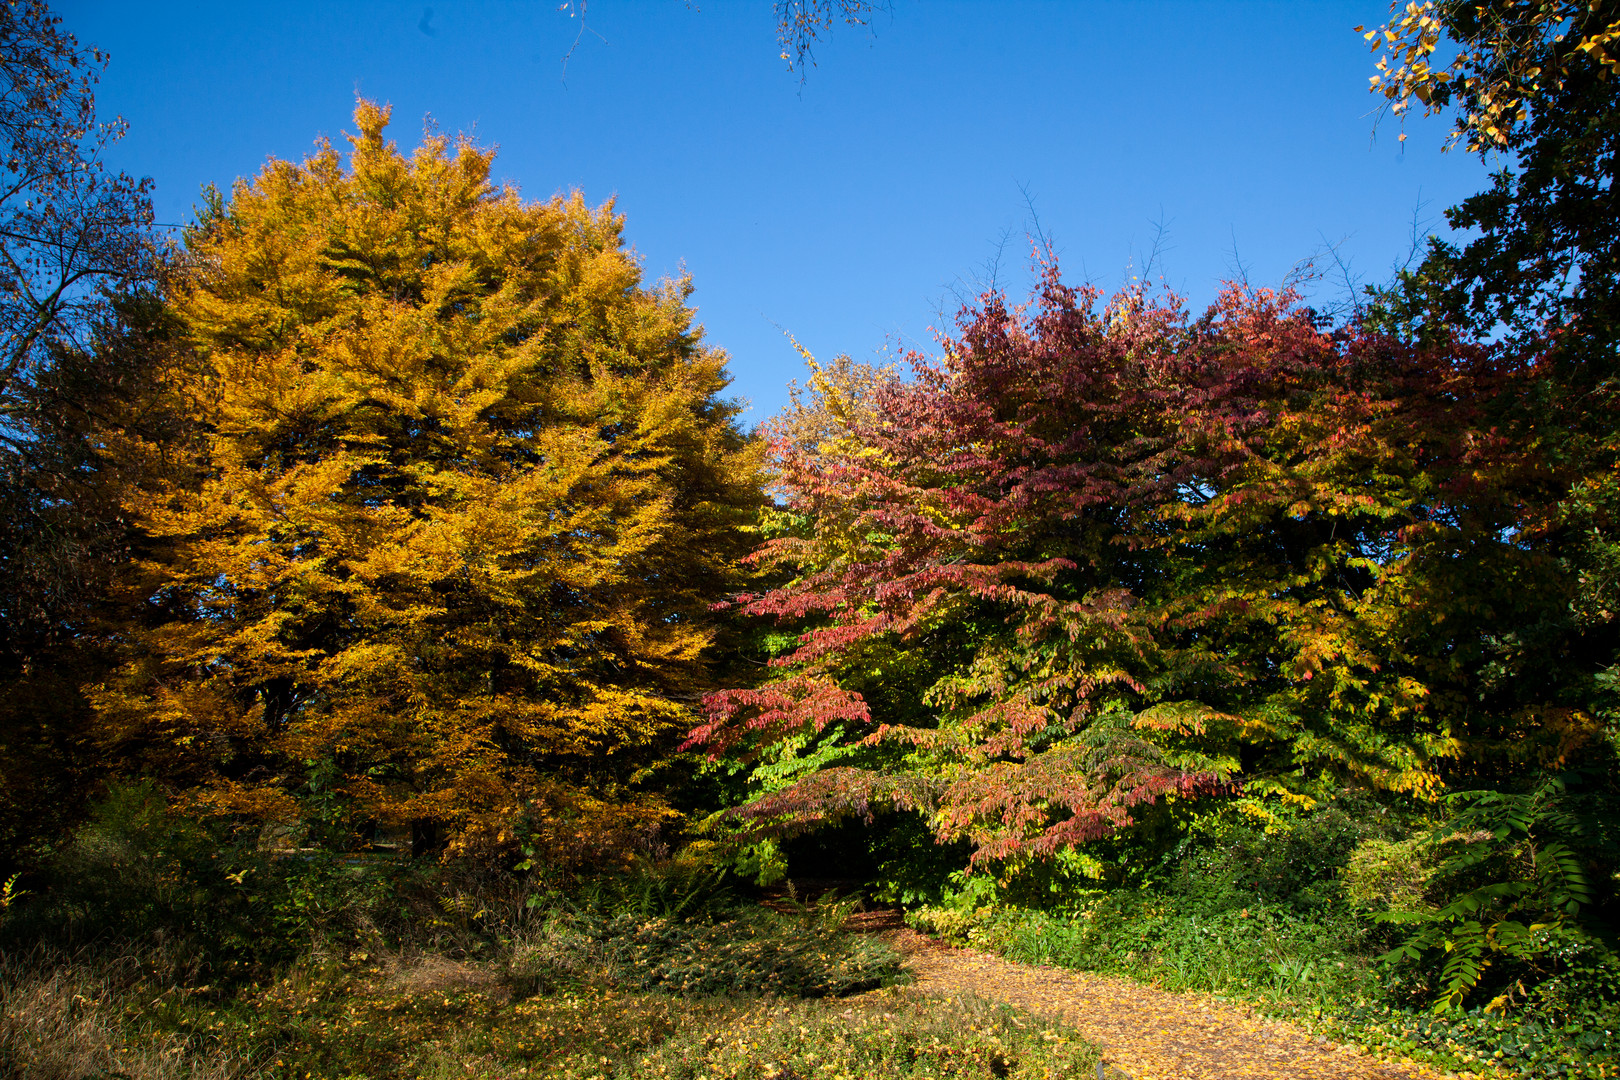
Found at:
<point>1248,853</point>
<point>132,869</point>
<point>673,889</point>
<point>1390,875</point>
<point>762,861</point>
<point>1510,890</point>
<point>1268,950</point>
<point>137,873</point>
<point>172,940</point>
<point>1217,855</point>
<point>912,867</point>
<point>1581,1046</point>
<point>62,543</point>
<point>1315,968</point>
<point>1247,901</point>
<point>753,953</point>
<point>1290,908</point>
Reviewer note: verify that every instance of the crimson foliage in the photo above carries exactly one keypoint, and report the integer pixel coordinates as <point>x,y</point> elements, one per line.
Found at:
<point>1099,554</point>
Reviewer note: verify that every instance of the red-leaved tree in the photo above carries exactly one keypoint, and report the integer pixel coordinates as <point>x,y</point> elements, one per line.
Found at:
<point>1099,553</point>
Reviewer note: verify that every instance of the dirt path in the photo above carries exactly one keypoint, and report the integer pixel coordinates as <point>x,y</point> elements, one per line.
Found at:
<point>1144,1032</point>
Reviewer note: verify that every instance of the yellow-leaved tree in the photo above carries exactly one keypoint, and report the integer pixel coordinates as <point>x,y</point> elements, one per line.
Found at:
<point>459,493</point>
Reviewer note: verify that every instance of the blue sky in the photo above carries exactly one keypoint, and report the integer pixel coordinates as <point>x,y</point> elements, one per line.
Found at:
<point>855,209</point>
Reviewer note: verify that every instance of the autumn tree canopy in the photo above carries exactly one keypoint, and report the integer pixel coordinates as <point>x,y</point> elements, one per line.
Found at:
<point>1540,253</point>
<point>70,229</point>
<point>75,257</point>
<point>456,492</point>
<point>1101,553</point>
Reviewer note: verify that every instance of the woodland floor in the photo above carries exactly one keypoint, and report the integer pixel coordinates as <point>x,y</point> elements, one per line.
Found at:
<point>1144,1033</point>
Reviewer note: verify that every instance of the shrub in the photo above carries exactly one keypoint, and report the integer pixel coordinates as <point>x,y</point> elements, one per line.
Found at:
<point>1290,909</point>
<point>1523,1044</point>
<point>956,925</point>
<point>1249,853</point>
<point>1260,951</point>
<point>675,889</point>
<point>1512,895</point>
<point>1390,875</point>
<point>137,874</point>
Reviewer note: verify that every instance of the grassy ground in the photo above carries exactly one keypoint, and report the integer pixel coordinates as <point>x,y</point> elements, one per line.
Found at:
<point>149,947</point>
<point>1286,913</point>
<point>1312,972</point>
<point>429,1016</point>
<point>149,952</point>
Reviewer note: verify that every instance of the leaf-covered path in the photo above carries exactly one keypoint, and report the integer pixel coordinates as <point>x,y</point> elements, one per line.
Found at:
<point>1148,1033</point>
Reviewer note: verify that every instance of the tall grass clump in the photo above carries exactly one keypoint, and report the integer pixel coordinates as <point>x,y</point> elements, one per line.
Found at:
<point>65,1017</point>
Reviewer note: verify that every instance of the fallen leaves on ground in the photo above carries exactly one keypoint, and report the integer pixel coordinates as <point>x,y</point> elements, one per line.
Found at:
<point>1148,1033</point>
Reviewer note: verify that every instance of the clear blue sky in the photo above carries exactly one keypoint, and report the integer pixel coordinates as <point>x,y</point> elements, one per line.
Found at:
<point>852,210</point>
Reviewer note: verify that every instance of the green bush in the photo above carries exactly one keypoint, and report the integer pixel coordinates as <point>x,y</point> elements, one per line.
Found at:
<point>136,873</point>
<point>1291,909</point>
<point>1315,967</point>
<point>674,889</point>
<point>1390,875</point>
<point>1507,906</point>
<point>1271,951</point>
<point>131,869</point>
<point>1523,1044</point>
<point>1249,853</point>
<point>956,925</point>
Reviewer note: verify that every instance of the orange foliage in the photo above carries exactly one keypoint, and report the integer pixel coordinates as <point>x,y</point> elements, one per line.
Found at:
<point>458,493</point>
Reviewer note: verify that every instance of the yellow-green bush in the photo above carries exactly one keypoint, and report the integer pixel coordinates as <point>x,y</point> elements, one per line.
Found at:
<point>1390,875</point>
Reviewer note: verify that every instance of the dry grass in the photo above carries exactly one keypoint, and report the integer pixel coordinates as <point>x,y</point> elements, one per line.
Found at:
<point>422,1016</point>
<point>67,1019</point>
<point>427,974</point>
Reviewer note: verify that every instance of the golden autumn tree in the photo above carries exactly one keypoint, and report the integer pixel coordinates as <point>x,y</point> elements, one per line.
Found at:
<point>460,493</point>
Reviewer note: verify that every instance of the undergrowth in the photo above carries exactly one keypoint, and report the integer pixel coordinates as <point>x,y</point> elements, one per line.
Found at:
<point>748,951</point>
<point>154,949</point>
<point>1309,916</point>
<point>899,1035</point>
<point>429,1017</point>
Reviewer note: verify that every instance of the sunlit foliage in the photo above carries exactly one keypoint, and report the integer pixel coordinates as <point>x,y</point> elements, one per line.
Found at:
<point>1115,554</point>
<point>457,491</point>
